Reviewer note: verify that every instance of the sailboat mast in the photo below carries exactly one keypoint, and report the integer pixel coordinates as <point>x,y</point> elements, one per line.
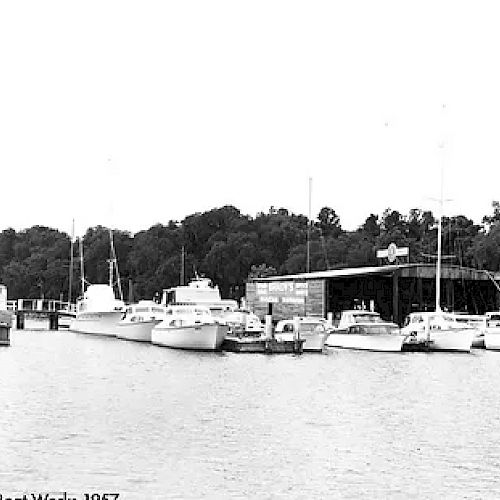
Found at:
<point>439,244</point>
<point>71,261</point>
<point>308,258</point>
<point>82,267</point>
<point>182,279</point>
<point>114,262</point>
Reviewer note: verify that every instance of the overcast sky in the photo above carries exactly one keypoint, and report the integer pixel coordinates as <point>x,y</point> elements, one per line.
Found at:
<point>129,113</point>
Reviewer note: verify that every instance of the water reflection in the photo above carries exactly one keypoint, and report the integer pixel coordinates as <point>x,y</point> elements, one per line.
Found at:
<point>83,412</point>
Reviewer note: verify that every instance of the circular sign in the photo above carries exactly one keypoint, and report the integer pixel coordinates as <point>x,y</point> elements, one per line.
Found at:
<point>391,252</point>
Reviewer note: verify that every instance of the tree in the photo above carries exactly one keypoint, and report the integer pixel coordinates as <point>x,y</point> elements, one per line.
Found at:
<point>492,220</point>
<point>329,222</point>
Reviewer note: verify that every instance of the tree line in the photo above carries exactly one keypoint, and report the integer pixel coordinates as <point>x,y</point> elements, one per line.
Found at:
<point>230,247</point>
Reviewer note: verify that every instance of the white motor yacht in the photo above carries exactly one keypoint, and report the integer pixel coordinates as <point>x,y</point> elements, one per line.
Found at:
<point>441,329</point>
<point>139,320</point>
<point>200,291</point>
<point>189,327</point>
<point>476,321</point>
<point>98,312</point>
<point>313,330</point>
<point>243,322</point>
<point>366,330</point>
<point>492,332</point>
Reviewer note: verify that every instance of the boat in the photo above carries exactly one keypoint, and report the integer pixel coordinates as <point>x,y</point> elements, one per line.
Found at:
<point>189,327</point>
<point>311,329</point>
<point>442,331</point>
<point>202,292</point>
<point>98,311</point>
<point>139,320</point>
<point>5,317</point>
<point>439,329</point>
<point>243,322</point>
<point>476,321</point>
<point>492,331</point>
<point>366,330</point>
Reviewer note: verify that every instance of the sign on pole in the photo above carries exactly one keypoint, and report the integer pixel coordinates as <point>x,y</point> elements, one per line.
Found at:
<point>392,252</point>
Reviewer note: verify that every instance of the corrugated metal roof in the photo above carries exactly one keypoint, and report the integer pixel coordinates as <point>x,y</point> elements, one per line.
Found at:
<point>339,273</point>
<point>360,271</point>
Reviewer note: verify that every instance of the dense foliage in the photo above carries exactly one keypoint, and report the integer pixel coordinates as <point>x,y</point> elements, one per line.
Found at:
<point>229,247</point>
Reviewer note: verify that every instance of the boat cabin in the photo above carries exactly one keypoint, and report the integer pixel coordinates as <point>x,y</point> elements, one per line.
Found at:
<point>145,310</point>
<point>199,291</point>
<point>374,329</point>
<point>306,324</point>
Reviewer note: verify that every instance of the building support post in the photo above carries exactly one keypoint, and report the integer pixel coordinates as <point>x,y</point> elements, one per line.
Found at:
<point>395,296</point>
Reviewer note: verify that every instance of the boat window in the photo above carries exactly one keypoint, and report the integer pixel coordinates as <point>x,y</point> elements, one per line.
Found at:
<point>158,310</point>
<point>310,327</point>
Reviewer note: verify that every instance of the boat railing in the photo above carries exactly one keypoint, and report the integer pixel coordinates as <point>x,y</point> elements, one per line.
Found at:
<point>39,305</point>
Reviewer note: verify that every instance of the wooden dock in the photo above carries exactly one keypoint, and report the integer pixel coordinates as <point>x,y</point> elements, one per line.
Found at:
<point>40,314</point>
<point>5,325</point>
<point>252,344</point>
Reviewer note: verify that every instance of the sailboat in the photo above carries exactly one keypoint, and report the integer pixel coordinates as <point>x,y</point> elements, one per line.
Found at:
<point>441,330</point>
<point>98,311</point>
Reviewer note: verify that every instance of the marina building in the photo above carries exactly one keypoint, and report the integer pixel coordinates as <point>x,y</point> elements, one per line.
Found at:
<point>392,290</point>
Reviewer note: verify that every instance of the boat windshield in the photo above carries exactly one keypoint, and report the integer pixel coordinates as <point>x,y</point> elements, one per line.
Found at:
<point>375,329</point>
<point>493,320</point>
<point>367,318</point>
<point>311,327</point>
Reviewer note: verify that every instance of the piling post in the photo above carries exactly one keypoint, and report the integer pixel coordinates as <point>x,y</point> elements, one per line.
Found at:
<point>427,327</point>
<point>268,332</point>
<point>329,319</point>
<point>296,333</point>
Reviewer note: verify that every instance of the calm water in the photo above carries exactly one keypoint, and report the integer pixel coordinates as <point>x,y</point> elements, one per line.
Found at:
<point>82,413</point>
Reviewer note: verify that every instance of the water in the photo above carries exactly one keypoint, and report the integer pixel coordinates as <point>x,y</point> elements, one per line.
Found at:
<point>82,414</point>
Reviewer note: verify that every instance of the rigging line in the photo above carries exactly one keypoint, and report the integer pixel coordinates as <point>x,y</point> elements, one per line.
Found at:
<point>115,261</point>
<point>324,248</point>
<point>492,279</point>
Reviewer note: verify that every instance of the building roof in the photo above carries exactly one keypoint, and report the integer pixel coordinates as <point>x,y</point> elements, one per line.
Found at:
<point>389,269</point>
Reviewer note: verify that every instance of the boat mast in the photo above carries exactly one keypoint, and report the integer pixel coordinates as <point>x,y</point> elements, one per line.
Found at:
<point>82,267</point>
<point>71,262</point>
<point>182,266</point>
<point>114,262</point>
<point>439,238</point>
<point>309,229</point>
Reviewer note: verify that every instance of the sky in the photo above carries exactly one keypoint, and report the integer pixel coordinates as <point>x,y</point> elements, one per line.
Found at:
<point>131,113</point>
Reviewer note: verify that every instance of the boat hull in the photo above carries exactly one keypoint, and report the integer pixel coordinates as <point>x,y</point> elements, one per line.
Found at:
<point>451,340</point>
<point>208,337</point>
<point>478,341</point>
<point>4,335</point>
<point>492,339</point>
<point>312,341</point>
<point>139,331</point>
<point>96,323</point>
<point>385,343</point>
